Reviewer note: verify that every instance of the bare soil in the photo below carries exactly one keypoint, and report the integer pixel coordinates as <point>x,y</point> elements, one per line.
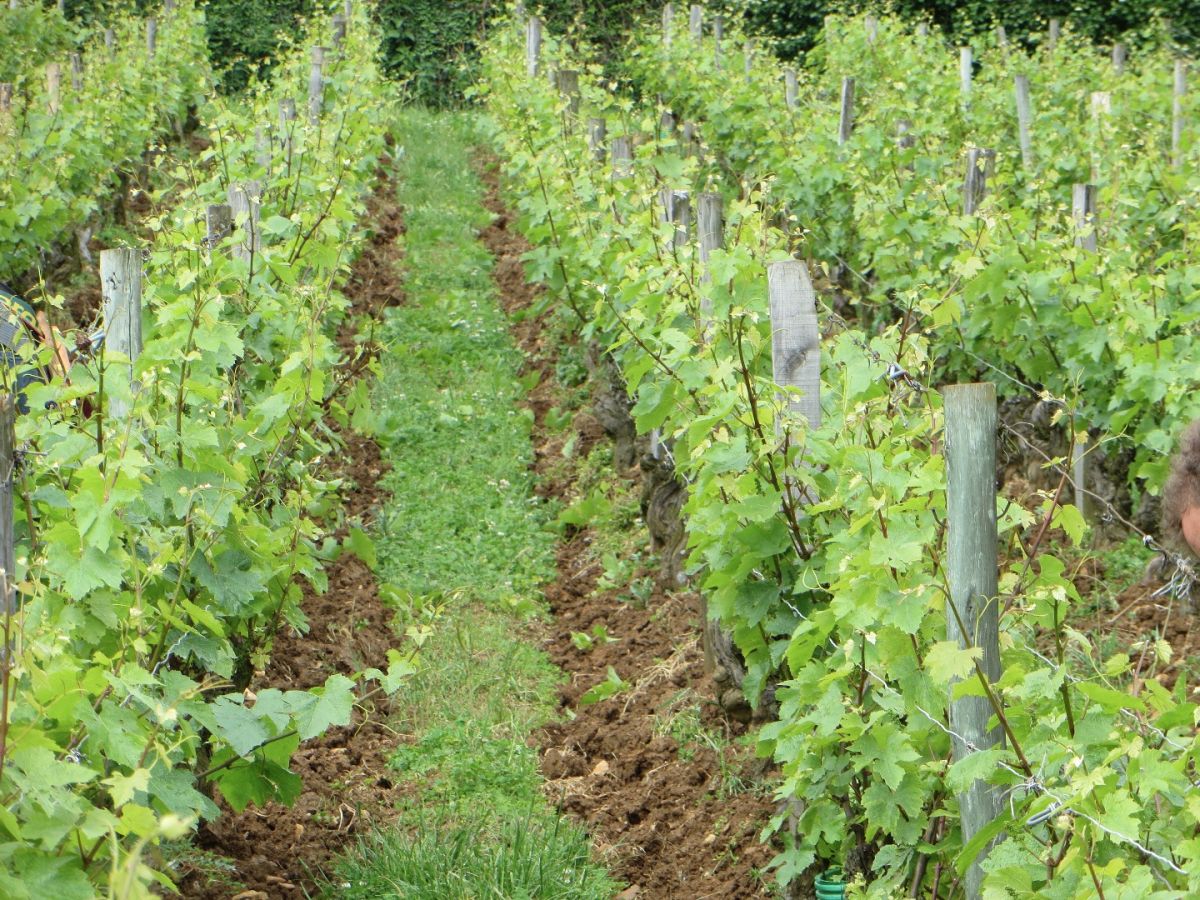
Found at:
<point>279,851</point>
<point>671,821</point>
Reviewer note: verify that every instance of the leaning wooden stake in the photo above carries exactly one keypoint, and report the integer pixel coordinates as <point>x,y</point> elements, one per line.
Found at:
<point>533,46</point>
<point>121,288</point>
<point>795,338</point>
<point>1024,119</point>
<point>1177,93</point>
<point>1083,206</point>
<point>846,118</point>
<point>979,167</point>
<point>244,202</point>
<point>972,609</point>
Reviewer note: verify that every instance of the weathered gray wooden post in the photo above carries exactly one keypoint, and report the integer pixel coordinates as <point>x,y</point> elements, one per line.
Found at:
<point>348,11</point>
<point>316,84</point>
<point>6,96</point>
<point>287,115</point>
<point>76,72</point>
<point>53,87</point>
<point>871,27</point>
<point>218,223</point>
<point>339,31</point>
<point>1002,41</point>
<point>62,8</point>
<point>791,87</point>
<point>972,609</point>
<point>622,157</point>
<point>533,46</point>
<point>1177,94</point>
<point>748,59</point>
<point>923,29</point>
<point>597,130</point>
<point>262,149</point>
<point>965,63</point>
<point>568,87</point>
<point>668,22</point>
<point>795,345</point>
<point>1024,119</point>
<point>846,117</point>
<point>121,288</point>
<point>110,41</point>
<point>718,30</point>
<point>696,22</point>
<point>151,37</point>
<point>244,204</point>
<point>681,215</point>
<point>1083,207</point>
<point>1119,54</point>
<point>1055,30</point>
<point>666,125</point>
<point>904,136</point>
<point>710,225</point>
<point>979,167</point>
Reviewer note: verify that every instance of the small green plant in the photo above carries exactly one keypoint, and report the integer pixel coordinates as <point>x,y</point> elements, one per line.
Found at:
<point>609,687</point>
<point>599,635</point>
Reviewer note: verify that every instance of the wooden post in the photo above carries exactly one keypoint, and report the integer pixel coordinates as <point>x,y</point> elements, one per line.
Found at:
<point>1083,207</point>
<point>710,224</point>
<point>244,205</point>
<point>666,125</point>
<point>718,27</point>
<point>1177,94</point>
<point>218,223</point>
<point>1024,119</point>
<point>972,610</point>
<point>622,157</point>
<point>691,140</point>
<point>348,11</point>
<point>681,215</point>
<point>597,130</point>
<point>76,72</point>
<point>339,31</point>
<point>904,136</point>
<point>923,29</point>
<point>568,87</point>
<point>965,61</point>
<point>53,87</point>
<point>1055,29</point>
<point>846,119</point>
<point>121,287</point>
<point>1119,54</point>
<point>6,95</point>
<point>795,337</point>
<point>8,539</point>
<point>62,8</point>
<point>533,46</point>
<point>110,41</point>
<point>979,167</point>
<point>668,22</point>
<point>151,37</point>
<point>791,87</point>
<point>262,147</point>
<point>316,84</point>
<point>748,59</point>
<point>871,26</point>
<point>287,115</point>
<point>696,22</point>
<point>1002,40</point>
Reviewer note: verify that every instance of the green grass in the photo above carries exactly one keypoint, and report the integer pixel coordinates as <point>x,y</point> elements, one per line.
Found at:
<point>463,533</point>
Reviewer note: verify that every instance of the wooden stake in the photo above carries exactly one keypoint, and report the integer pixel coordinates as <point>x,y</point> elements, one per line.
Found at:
<point>53,87</point>
<point>533,46</point>
<point>76,72</point>
<point>904,135</point>
<point>8,538</point>
<point>748,59</point>
<point>1055,28</point>
<point>972,610</point>
<point>846,118</point>
<point>6,96</point>
<point>923,29</point>
<point>316,85</point>
<point>287,115</point>
<point>791,88</point>
<point>696,22</point>
<point>622,157</point>
<point>710,224</point>
<point>1118,58</point>
<point>568,87</point>
<point>597,129</point>
<point>668,22</point>
<point>244,204</point>
<point>871,26</point>
<point>1177,95</point>
<point>1002,40</point>
<point>151,37</point>
<point>795,338</point>
<point>339,31</point>
<point>1083,207</point>
<point>262,147</point>
<point>110,41</point>
<point>965,61</point>
<point>1024,119</point>
<point>121,288</point>
<point>979,168</point>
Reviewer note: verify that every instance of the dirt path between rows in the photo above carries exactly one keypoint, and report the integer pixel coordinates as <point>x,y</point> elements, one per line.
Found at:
<point>671,824</point>
<point>278,851</point>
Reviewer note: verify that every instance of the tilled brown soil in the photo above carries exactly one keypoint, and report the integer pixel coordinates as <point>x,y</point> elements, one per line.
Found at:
<point>278,851</point>
<point>671,821</point>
